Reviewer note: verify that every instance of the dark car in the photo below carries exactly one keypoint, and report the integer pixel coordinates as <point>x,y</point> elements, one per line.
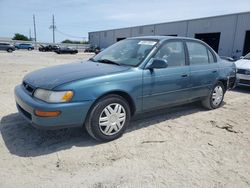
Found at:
<point>94,49</point>
<point>66,50</point>
<point>133,76</point>
<point>48,48</point>
<point>7,47</point>
<point>24,46</point>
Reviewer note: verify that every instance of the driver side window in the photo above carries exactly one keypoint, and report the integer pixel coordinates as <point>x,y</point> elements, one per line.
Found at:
<point>173,53</point>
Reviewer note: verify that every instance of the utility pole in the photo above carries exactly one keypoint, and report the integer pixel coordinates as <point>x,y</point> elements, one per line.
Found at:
<point>30,34</point>
<point>34,22</point>
<point>53,27</point>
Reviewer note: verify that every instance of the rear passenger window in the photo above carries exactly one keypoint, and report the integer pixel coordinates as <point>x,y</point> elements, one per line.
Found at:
<point>197,53</point>
<point>211,57</point>
<point>173,52</point>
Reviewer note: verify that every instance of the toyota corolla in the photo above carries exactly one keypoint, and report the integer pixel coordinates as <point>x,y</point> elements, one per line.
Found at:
<point>130,77</point>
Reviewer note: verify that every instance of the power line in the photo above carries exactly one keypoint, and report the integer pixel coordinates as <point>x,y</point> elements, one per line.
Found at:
<point>68,35</point>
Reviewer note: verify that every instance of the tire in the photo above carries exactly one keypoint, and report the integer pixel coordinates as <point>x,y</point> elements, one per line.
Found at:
<point>215,98</point>
<point>9,50</point>
<point>104,124</point>
<point>29,49</point>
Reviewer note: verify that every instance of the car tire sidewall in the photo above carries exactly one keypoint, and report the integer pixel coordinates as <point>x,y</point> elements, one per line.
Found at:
<point>9,50</point>
<point>93,120</point>
<point>211,95</point>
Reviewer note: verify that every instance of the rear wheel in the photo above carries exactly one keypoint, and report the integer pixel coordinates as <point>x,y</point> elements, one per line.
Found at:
<point>215,98</point>
<point>109,118</point>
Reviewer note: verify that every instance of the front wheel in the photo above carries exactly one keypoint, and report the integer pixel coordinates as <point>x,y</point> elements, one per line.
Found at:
<point>9,50</point>
<point>109,118</point>
<point>215,98</point>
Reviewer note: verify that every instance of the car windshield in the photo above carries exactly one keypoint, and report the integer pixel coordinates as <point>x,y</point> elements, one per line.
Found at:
<point>130,52</point>
<point>247,56</point>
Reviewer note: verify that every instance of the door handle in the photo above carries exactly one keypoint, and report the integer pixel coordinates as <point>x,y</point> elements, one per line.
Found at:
<point>184,75</point>
<point>214,71</point>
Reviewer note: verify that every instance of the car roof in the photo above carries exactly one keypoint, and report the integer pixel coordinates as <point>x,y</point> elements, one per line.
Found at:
<point>162,38</point>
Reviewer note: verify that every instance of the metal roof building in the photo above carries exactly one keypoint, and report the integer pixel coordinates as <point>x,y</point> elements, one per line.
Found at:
<point>229,35</point>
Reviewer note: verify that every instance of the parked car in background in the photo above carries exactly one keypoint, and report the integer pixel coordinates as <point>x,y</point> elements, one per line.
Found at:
<point>24,46</point>
<point>7,47</point>
<point>66,50</point>
<point>48,48</point>
<point>94,49</point>
<point>243,70</point>
<point>132,76</point>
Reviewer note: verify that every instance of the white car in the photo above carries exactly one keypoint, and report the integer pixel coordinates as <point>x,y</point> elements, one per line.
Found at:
<point>243,70</point>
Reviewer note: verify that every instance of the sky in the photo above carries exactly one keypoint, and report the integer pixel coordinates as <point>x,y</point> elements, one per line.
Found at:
<point>75,18</point>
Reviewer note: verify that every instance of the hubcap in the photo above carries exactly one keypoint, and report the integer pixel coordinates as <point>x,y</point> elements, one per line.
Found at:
<point>217,95</point>
<point>112,119</point>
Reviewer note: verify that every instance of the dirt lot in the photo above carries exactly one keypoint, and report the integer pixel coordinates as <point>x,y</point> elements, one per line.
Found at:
<point>180,147</point>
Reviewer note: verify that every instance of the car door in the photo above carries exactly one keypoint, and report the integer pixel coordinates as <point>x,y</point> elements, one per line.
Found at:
<point>204,70</point>
<point>1,46</point>
<point>168,85</point>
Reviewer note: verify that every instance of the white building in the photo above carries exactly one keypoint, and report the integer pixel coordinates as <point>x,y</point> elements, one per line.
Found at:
<point>229,35</point>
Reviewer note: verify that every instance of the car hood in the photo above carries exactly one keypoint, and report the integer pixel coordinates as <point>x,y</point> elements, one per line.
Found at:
<point>243,64</point>
<point>48,78</point>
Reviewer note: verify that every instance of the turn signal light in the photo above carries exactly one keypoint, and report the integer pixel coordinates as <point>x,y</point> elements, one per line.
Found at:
<point>47,114</point>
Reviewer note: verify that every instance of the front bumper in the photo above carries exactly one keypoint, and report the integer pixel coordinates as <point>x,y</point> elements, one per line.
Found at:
<point>73,114</point>
<point>243,79</point>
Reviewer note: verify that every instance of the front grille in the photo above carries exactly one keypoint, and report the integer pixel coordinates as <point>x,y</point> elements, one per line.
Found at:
<point>241,71</point>
<point>244,81</point>
<point>24,112</point>
<point>28,87</point>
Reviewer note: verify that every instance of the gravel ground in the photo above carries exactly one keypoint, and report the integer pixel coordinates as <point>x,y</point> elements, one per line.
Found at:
<point>186,146</point>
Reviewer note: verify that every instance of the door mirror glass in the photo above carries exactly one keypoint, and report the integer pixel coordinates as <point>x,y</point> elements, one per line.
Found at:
<point>157,64</point>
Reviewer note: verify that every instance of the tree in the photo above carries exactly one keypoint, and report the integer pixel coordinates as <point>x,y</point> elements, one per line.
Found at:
<point>19,36</point>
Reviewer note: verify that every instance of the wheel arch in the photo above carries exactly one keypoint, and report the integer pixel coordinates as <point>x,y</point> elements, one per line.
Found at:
<point>122,94</point>
<point>224,82</point>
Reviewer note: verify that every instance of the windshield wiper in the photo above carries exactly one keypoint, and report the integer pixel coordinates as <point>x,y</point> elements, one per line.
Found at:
<point>108,61</point>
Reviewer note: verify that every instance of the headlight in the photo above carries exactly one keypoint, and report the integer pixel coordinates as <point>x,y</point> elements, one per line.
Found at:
<point>53,96</point>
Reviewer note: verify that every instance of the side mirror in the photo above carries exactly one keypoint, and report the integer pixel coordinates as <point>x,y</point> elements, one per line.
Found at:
<point>157,64</point>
